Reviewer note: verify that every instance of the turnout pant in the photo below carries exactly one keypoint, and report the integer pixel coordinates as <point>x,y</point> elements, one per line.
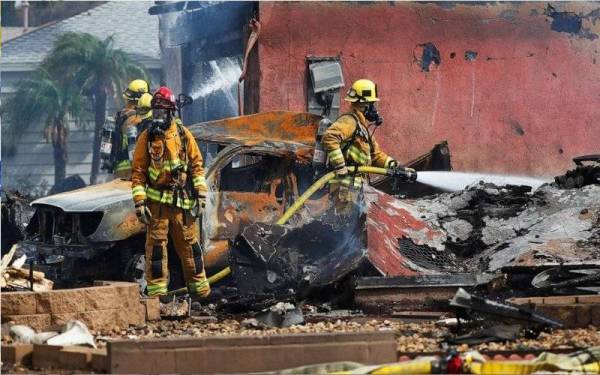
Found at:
<point>183,229</point>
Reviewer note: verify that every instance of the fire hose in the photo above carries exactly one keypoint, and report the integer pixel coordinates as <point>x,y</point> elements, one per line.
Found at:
<point>211,280</point>
<point>584,361</point>
<point>321,182</point>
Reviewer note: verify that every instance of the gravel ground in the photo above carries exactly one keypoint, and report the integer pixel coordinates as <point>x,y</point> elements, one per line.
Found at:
<point>411,337</point>
<point>419,337</point>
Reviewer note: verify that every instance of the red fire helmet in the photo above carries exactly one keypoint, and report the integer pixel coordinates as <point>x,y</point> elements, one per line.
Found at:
<point>163,98</point>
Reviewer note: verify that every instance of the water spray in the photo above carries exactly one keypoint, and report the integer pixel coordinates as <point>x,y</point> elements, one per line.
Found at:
<point>455,181</point>
<point>223,78</point>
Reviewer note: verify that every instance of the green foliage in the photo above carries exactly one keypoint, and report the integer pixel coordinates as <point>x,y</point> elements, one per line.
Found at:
<point>81,69</point>
<point>92,63</point>
<point>98,69</point>
<point>43,97</point>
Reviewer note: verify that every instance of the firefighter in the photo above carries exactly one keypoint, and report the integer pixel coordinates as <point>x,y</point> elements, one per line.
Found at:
<point>126,121</point>
<point>168,185</point>
<point>348,143</point>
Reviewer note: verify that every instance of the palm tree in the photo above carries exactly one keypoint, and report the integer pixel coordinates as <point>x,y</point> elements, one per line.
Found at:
<point>98,69</point>
<point>47,98</point>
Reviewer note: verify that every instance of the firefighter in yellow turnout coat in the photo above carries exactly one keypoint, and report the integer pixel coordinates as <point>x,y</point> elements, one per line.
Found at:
<point>167,184</point>
<point>127,118</point>
<point>348,143</point>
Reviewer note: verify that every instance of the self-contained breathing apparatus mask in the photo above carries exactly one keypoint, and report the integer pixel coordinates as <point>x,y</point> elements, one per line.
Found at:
<point>372,115</point>
<point>160,122</point>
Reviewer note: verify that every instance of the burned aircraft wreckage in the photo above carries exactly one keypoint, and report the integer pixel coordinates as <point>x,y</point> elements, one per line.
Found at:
<point>465,238</point>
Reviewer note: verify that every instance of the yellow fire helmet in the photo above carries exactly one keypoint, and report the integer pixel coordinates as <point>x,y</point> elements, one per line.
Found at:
<point>135,89</point>
<point>144,106</point>
<point>362,91</point>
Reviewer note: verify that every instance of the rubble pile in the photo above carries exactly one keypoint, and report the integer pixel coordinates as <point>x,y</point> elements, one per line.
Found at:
<point>498,227</point>
<point>14,277</point>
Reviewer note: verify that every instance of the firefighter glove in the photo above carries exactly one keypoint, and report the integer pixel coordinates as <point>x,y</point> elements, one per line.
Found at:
<point>143,212</point>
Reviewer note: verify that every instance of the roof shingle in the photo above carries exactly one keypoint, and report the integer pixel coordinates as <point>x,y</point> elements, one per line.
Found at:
<point>135,31</point>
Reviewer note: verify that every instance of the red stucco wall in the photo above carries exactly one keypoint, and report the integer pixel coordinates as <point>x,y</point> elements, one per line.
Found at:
<point>527,104</point>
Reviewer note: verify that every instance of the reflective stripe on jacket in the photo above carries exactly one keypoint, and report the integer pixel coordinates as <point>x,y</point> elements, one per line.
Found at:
<point>153,177</point>
<point>360,150</point>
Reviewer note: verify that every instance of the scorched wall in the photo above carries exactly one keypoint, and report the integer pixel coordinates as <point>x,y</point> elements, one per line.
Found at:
<point>517,89</point>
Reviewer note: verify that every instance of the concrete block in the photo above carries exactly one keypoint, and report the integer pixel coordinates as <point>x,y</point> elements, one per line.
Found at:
<point>104,319</point>
<point>525,301</point>
<point>142,361</point>
<point>101,298</point>
<point>99,361</point>
<point>560,300</point>
<point>60,301</point>
<point>75,358</point>
<point>38,322</point>
<point>591,299</point>
<point>127,291</point>
<point>18,303</point>
<point>14,354</point>
<point>152,308</point>
<point>134,315</point>
<point>46,356</point>
<point>242,354</point>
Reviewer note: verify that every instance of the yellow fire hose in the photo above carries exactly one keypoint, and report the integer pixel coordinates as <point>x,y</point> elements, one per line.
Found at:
<point>211,280</point>
<point>320,183</point>
<point>585,361</point>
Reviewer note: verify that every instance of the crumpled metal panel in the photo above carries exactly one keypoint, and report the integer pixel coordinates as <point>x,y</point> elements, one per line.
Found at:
<point>390,219</point>
<point>113,198</point>
<point>90,198</point>
<point>118,223</point>
<point>270,257</point>
<point>295,128</point>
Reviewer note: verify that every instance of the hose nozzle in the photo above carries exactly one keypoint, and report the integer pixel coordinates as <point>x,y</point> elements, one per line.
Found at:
<point>403,174</point>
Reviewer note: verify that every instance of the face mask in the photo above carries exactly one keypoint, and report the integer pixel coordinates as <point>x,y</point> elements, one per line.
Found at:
<point>160,122</point>
<point>160,113</point>
<point>372,115</point>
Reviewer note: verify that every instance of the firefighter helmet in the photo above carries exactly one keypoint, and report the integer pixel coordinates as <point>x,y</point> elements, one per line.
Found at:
<point>135,89</point>
<point>144,105</point>
<point>163,98</point>
<point>362,91</point>
<point>145,102</point>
